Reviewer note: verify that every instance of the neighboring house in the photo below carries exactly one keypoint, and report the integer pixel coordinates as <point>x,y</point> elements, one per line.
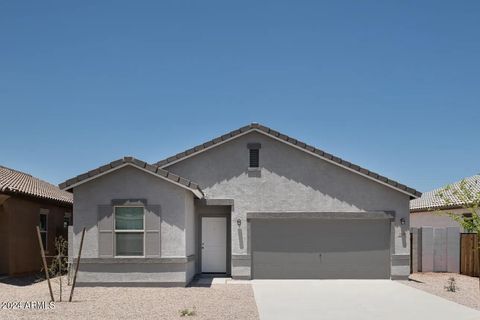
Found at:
<point>427,210</point>
<point>25,203</point>
<point>263,205</point>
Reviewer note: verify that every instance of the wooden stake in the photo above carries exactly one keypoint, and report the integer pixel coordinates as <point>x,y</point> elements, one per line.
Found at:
<point>76,267</point>
<point>60,273</point>
<point>68,274</point>
<point>42,252</point>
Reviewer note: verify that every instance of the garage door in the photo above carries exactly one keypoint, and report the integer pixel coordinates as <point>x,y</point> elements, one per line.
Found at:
<point>320,249</point>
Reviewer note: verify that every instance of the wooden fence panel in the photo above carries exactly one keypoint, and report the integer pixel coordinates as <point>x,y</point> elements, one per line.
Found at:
<point>469,255</point>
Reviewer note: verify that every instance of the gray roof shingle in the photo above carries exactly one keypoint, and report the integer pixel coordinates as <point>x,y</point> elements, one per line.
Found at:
<point>258,127</point>
<point>155,169</point>
<point>430,200</point>
<point>15,182</point>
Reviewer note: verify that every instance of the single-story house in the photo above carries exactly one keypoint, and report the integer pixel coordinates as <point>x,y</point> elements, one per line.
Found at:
<point>25,203</point>
<point>430,209</point>
<point>253,203</point>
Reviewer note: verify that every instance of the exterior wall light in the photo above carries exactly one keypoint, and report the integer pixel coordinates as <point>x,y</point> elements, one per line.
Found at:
<point>239,222</point>
<point>402,221</point>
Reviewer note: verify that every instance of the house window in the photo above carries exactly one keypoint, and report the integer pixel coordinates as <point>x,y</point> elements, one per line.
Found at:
<point>43,226</point>
<point>129,231</point>
<point>67,219</point>
<point>254,158</point>
<point>254,152</point>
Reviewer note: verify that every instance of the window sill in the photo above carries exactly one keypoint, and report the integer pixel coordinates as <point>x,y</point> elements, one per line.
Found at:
<point>138,260</point>
<point>254,172</point>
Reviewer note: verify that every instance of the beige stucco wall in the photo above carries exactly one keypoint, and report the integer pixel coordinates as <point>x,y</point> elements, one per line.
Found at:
<point>435,219</point>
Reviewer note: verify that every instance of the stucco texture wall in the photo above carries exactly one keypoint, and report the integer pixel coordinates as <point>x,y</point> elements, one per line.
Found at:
<point>132,183</point>
<point>435,219</point>
<point>190,233</point>
<point>289,180</point>
<point>4,241</point>
<point>22,217</point>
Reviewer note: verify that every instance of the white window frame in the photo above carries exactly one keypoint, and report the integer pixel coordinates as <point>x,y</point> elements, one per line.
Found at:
<point>44,212</point>
<point>65,214</point>
<point>115,231</point>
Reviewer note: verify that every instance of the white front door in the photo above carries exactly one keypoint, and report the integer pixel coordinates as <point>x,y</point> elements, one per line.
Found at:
<point>214,244</point>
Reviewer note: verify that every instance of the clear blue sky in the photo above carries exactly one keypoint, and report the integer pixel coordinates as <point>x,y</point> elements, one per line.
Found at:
<point>390,85</point>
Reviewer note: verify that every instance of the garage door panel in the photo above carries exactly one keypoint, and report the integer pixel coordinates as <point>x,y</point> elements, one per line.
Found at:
<point>321,249</point>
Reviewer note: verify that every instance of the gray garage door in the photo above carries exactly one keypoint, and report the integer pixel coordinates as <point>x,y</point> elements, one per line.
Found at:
<point>320,249</point>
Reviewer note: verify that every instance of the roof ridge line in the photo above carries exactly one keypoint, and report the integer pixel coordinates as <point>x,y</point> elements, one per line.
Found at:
<point>154,169</point>
<point>430,199</point>
<point>289,140</point>
<point>16,182</point>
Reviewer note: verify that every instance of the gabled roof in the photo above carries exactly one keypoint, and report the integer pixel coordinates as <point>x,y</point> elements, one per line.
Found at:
<point>255,127</point>
<point>430,200</point>
<point>14,182</point>
<point>130,161</point>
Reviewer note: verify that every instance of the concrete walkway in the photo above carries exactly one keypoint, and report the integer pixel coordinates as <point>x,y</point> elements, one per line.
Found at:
<point>352,299</point>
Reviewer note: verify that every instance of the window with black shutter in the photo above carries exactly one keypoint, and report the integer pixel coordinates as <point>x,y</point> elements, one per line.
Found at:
<point>254,150</point>
<point>254,158</point>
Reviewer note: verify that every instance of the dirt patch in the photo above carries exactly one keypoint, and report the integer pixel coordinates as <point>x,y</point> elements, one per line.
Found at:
<point>222,301</point>
<point>467,292</point>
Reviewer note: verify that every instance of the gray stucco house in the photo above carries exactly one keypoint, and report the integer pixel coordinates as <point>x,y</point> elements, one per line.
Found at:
<point>253,203</point>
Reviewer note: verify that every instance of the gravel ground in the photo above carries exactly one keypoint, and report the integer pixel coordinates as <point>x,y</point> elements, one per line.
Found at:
<point>218,301</point>
<point>467,292</point>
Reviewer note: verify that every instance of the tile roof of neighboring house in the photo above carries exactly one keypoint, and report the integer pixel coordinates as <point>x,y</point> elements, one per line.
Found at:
<point>296,143</point>
<point>15,182</point>
<point>120,163</point>
<point>430,200</point>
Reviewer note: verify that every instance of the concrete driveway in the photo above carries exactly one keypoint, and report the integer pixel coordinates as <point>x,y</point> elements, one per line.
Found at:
<point>352,299</point>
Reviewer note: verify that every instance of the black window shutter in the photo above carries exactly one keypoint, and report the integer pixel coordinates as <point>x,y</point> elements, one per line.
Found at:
<point>254,158</point>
